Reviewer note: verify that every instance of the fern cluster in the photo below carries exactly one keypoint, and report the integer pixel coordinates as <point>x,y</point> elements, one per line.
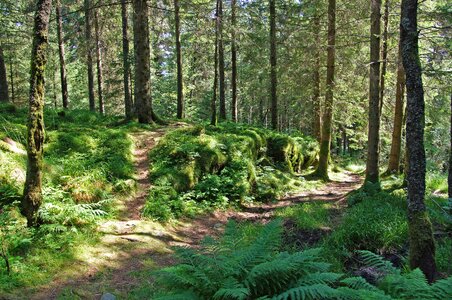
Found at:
<point>235,267</point>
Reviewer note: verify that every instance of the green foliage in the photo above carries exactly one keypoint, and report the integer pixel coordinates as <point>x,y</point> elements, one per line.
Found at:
<point>308,215</point>
<point>201,168</point>
<point>237,267</point>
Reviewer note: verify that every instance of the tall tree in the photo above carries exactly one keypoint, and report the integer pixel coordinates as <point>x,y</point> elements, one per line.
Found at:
<point>396,145</point>
<point>233,62</point>
<point>11,78</point>
<point>221,62</point>
<point>3,78</point>
<point>422,246</point>
<point>128,105</point>
<point>180,82</point>
<point>449,180</point>
<point>89,54</point>
<point>32,197</point>
<point>327,118</point>
<point>373,138</point>
<point>384,54</point>
<point>273,66</point>
<point>213,104</point>
<point>59,21</point>
<point>100,78</point>
<point>316,80</point>
<point>143,100</point>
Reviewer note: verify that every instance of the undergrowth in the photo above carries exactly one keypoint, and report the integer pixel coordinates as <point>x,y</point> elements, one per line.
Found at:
<point>202,167</point>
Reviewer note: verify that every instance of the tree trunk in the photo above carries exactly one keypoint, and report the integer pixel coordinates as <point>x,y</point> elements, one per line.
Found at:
<point>384,55</point>
<point>234,62</point>
<point>213,106</point>
<point>100,79</point>
<point>89,58</point>
<point>422,246</point>
<point>394,156</point>
<point>316,78</point>
<point>221,62</point>
<point>273,66</point>
<point>125,61</point>
<point>372,172</point>
<point>143,101</point>
<point>4,96</point>
<point>59,21</point>
<point>180,82</point>
<point>322,167</point>
<point>449,180</point>
<point>11,76</point>
<point>32,197</point>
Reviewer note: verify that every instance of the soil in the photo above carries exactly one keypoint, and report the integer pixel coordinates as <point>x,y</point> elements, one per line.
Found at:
<point>131,245</point>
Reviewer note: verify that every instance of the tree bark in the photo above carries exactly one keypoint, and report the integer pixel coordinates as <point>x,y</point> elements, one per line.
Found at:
<point>372,171</point>
<point>89,55</point>
<point>422,246</point>
<point>322,167</point>
<point>221,62</point>
<point>449,180</point>
<point>59,21</point>
<point>316,79</point>
<point>32,197</point>
<point>128,105</point>
<point>11,76</point>
<point>233,62</point>
<point>384,55</point>
<point>213,105</point>
<point>273,67</point>
<point>394,156</point>
<point>4,96</point>
<point>100,79</point>
<point>143,101</point>
<point>180,82</point>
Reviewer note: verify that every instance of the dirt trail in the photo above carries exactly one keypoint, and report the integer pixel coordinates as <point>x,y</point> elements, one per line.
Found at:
<point>130,245</point>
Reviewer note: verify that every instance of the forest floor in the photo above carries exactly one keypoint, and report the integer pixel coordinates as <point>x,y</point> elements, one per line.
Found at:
<point>130,247</point>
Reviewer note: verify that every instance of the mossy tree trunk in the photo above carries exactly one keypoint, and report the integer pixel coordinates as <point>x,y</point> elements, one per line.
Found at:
<point>396,145</point>
<point>233,62</point>
<point>32,197</point>
<point>60,35</point>
<point>89,55</point>
<point>317,122</point>
<point>449,180</point>
<point>384,55</point>
<point>11,77</point>
<point>180,82</point>
<point>100,77</point>
<point>213,104</point>
<point>128,105</point>
<point>327,119</point>
<point>422,246</point>
<point>4,96</point>
<point>373,137</point>
<point>221,62</point>
<point>143,101</point>
<point>273,67</point>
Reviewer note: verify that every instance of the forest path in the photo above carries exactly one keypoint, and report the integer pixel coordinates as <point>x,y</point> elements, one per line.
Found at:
<point>131,247</point>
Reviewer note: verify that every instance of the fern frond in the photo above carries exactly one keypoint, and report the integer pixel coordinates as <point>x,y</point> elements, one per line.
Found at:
<point>358,283</point>
<point>319,278</point>
<point>316,291</point>
<point>346,293</point>
<point>232,289</point>
<point>371,259</point>
<point>442,289</point>
<point>179,296</point>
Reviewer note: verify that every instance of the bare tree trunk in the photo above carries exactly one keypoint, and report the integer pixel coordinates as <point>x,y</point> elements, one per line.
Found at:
<point>234,62</point>
<point>59,21</point>
<point>273,66</point>
<point>180,82</point>
<point>422,246</point>
<point>316,75</point>
<point>11,76</point>
<point>4,96</point>
<point>372,171</point>
<point>128,105</point>
<point>89,54</point>
<point>384,55</point>
<point>143,101</point>
<point>32,197</point>
<point>322,167</point>
<point>213,107</point>
<point>221,62</point>
<point>394,156</point>
<point>100,79</point>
